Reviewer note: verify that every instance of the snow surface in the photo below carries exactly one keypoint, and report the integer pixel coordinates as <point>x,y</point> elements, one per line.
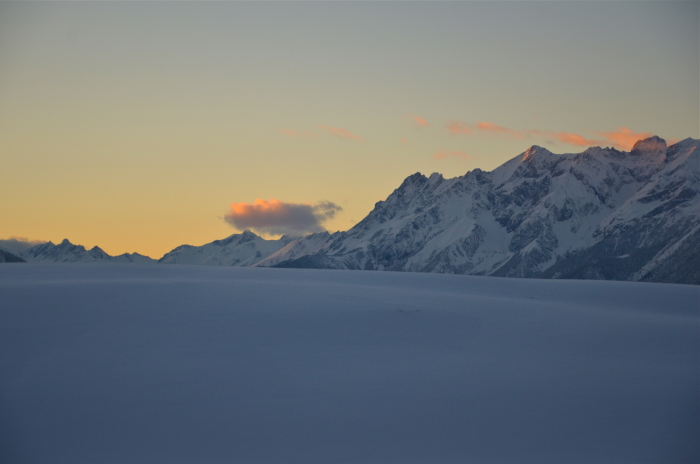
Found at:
<point>197,364</point>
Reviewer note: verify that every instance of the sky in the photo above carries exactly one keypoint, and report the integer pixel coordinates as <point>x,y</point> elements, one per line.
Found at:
<point>142,126</point>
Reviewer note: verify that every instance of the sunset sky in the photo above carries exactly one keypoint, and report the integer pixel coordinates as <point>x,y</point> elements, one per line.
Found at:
<point>143,126</point>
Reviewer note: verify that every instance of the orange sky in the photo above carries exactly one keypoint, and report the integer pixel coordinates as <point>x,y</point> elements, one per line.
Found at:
<point>134,126</point>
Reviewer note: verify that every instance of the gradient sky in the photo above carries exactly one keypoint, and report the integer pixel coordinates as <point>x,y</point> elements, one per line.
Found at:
<point>135,126</point>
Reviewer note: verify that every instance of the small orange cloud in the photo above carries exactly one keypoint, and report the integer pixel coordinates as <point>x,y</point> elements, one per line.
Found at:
<point>295,134</point>
<point>310,134</point>
<point>498,130</point>
<point>278,217</point>
<point>258,206</point>
<point>341,133</point>
<point>418,122</point>
<point>442,154</point>
<point>573,139</point>
<point>404,141</point>
<point>624,138</point>
<point>289,132</point>
<point>458,127</point>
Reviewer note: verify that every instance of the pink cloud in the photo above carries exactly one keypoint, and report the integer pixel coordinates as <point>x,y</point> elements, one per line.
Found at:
<point>442,154</point>
<point>341,133</point>
<point>310,134</point>
<point>289,132</point>
<point>458,127</point>
<point>295,134</point>
<point>498,130</point>
<point>624,138</point>
<point>279,217</point>
<point>418,122</point>
<point>573,139</point>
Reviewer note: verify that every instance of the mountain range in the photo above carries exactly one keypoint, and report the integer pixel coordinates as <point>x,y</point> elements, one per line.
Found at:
<point>66,252</point>
<point>599,214</point>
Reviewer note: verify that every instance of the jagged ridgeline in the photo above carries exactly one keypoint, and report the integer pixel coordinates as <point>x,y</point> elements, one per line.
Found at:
<point>600,214</point>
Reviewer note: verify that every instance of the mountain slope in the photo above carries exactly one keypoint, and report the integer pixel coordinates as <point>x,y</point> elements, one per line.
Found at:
<point>243,249</point>
<point>7,257</point>
<point>601,214</point>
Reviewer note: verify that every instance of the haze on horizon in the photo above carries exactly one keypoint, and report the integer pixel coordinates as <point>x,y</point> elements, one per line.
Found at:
<point>144,126</point>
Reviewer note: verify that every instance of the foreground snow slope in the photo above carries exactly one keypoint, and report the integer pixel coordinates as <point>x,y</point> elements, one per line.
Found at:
<point>197,364</point>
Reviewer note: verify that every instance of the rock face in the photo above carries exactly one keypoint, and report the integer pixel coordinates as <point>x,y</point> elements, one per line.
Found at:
<point>599,214</point>
<point>7,257</point>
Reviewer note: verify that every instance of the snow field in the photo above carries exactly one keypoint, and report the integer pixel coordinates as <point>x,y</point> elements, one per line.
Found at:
<point>197,364</point>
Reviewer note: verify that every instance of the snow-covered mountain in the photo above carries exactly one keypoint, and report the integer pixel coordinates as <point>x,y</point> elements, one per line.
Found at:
<point>66,252</point>
<point>600,214</point>
<point>244,249</point>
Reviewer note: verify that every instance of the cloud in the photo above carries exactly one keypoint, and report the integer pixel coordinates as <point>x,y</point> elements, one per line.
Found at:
<point>573,139</point>
<point>341,133</point>
<point>277,217</point>
<point>458,127</point>
<point>624,138</point>
<point>442,154</point>
<point>289,132</point>
<point>295,134</point>
<point>18,245</point>
<point>418,122</point>
<point>498,130</point>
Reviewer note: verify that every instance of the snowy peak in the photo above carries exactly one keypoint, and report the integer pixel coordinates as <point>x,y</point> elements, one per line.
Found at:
<point>246,236</point>
<point>598,214</point>
<point>133,258</point>
<point>651,150</point>
<point>66,252</point>
<point>538,215</point>
<point>244,249</point>
<point>533,151</point>
<point>652,144</point>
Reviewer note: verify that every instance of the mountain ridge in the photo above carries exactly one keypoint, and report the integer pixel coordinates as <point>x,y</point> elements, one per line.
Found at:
<point>66,252</point>
<point>599,214</point>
